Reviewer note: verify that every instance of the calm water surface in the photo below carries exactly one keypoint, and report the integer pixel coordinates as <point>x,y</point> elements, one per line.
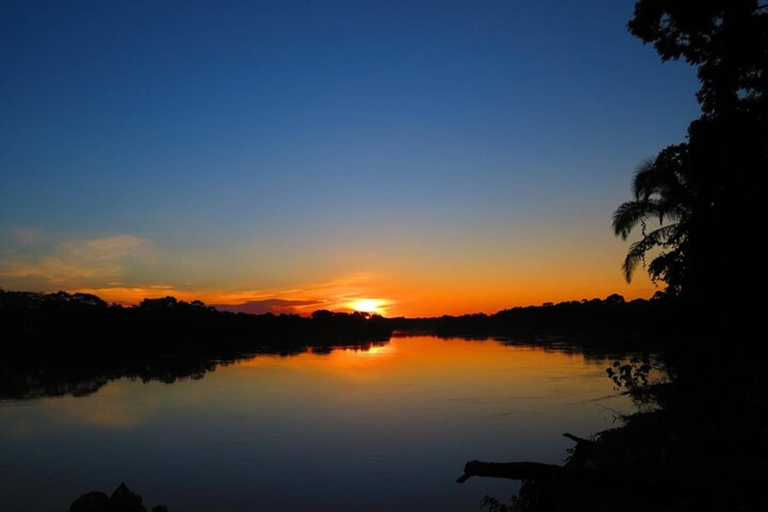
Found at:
<point>380,429</point>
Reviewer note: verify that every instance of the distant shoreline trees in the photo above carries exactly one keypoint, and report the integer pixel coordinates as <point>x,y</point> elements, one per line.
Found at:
<point>29,319</point>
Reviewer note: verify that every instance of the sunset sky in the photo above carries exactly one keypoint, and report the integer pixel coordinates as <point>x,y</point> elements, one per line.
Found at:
<point>427,157</point>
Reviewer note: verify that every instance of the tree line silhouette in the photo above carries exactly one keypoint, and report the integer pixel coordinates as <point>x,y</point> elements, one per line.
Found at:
<point>84,323</point>
<point>81,323</point>
<point>612,321</point>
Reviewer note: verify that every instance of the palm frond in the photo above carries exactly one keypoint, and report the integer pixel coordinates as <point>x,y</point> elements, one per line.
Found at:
<point>663,192</point>
<point>629,214</point>
<point>637,250</point>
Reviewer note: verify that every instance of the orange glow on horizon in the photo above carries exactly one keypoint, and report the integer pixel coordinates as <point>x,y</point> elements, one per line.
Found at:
<point>420,296</point>
<point>410,303</point>
<point>470,276</point>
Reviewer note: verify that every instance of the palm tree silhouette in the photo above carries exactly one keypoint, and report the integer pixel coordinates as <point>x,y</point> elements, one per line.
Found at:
<point>663,194</point>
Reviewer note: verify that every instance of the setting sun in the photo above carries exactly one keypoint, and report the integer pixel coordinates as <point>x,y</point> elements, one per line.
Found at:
<point>375,306</point>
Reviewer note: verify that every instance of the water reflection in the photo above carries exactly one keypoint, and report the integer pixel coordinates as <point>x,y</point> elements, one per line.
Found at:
<point>375,426</point>
<point>22,378</point>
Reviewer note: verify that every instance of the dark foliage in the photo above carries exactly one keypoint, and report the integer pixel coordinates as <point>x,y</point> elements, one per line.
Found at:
<point>706,190</point>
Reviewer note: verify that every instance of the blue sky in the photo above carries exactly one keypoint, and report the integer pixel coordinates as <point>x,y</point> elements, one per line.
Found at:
<point>262,150</point>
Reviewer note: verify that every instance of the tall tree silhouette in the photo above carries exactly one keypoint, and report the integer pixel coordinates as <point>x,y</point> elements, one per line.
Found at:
<point>705,192</point>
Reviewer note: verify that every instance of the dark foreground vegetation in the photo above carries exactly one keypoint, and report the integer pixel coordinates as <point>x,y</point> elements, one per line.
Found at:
<point>698,442</point>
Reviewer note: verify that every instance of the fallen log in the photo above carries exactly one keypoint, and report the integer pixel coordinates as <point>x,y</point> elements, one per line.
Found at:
<point>511,470</point>
<point>579,440</point>
<point>524,470</point>
<point>539,471</point>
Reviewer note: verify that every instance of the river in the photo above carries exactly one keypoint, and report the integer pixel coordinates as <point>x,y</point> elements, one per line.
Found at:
<point>383,427</point>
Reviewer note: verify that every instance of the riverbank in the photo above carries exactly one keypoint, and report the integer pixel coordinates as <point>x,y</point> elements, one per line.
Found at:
<point>699,442</point>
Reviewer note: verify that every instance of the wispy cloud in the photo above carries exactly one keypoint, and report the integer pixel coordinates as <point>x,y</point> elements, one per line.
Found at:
<point>72,263</point>
<point>336,294</point>
<point>276,306</point>
<point>27,236</point>
<point>108,249</point>
<point>120,268</point>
